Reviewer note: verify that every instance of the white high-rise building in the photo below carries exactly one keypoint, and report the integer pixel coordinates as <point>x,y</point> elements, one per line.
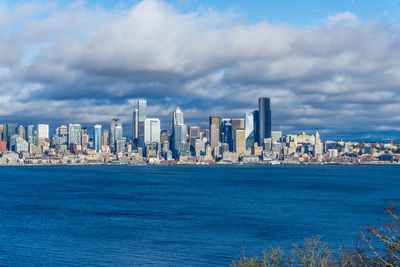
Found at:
<point>178,117</point>
<point>152,130</point>
<point>43,131</point>
<point>74,134</point>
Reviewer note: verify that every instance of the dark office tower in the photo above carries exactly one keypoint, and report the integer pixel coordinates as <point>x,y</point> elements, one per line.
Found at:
<point>226,132</point>
<point>264,119</point>
<point>256,126</point>
<point>214,131</point>
<point>135,124</point>
<point>142,107</point>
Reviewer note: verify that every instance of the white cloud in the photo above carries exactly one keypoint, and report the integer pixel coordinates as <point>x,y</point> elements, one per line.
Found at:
<point>90,65</point>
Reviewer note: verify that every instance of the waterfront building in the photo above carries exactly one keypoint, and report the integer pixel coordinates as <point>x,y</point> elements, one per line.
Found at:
<point>142,114</point>
<point>239,141</point>
<point>230,157</point>
<point>249,127</point>
<point>97,141</point>
<point>135,124</point>
<point>152,131</point>
<point>1,131</point>
<point>215,123</point>
<point>74,136</point>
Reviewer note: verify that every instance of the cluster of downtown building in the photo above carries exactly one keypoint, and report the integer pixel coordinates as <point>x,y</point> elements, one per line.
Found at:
<point>249,139</point>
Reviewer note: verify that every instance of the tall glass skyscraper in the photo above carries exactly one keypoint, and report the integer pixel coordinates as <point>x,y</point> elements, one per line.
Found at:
<point>264,119</point>
<point>178,117</point>
<point>249,127</point>
<point>97,138</point>
<point>179,131</point>
<point>114,133</point>
<point>142,114</point>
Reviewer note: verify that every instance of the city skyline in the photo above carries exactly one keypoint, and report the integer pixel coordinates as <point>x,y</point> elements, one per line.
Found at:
<point>335,72</point>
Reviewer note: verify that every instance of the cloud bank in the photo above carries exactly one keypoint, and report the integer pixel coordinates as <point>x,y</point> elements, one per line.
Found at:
<point>88,65</point>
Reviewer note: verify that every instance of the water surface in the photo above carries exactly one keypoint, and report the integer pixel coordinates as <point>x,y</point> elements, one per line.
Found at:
<point>182,215</point>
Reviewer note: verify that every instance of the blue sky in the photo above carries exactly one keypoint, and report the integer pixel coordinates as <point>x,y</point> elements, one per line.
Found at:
<point>330,65</point>
<point>298,12</point>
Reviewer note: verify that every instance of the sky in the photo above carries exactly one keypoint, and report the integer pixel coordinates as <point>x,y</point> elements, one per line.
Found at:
<point>331,65</point>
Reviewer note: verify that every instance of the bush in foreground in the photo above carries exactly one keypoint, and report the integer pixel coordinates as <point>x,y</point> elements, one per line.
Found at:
<point>377,246</point>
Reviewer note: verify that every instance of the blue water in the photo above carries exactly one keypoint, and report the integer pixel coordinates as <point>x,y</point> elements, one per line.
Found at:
<point>182,215</point>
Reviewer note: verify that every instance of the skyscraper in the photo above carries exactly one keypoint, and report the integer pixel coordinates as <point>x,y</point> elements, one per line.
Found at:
<point>43,131</point>
<point>74,135</point>
<point>135,124</point>
<point>29,130</point>
<point>142,114</point>
<point>264,119</point>
<point>97,141</point>
<point>9,130</point>
<point>239,141</point>
<point>226,132</point>
<point>256,126</point>
<point>237,124</point>
<point>178,117</point>
<point>21,132</point>
<point>113,136</point>
<point>194,133</point>
<point>249,127</point>
<point>214,131</point>
<point>1,131</point>
<point>179,133</point>
<point>105,137</point>
<point>152,130</point>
